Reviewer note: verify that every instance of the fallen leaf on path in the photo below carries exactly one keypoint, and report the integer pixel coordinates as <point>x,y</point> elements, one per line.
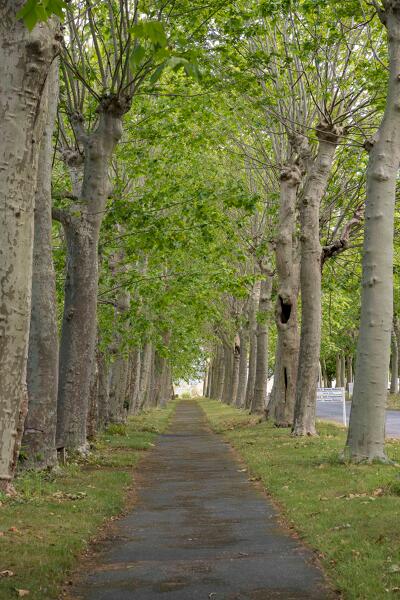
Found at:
<point>22,593</point>
<point>6,573</point>
<point>344,526</point>
<point>13,530</point>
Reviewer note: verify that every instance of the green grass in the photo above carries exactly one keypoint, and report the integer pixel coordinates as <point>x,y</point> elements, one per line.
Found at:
<point>50,522</point>
<point>349,514</point>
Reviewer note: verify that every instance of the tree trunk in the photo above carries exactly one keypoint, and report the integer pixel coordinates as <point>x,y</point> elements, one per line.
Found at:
<point>118,401</point>
<point>366,436</point>
<point>261,380</point>
<point>92,417</point>
<point>228,370</point>
<point>342,371</point>
<point>338,367</point>
<point>25,59</point>
<point>39,439</point>
<point>145,374</point>
<point>283,395</point>
<point>103,392</point>
<point>394,365</point>
<point>349,368</point>
<point>251,376</point>
<point>324,373</point>
<point>78,336</point>
<point>310,280</point>
<point>235,371</point>
<point>220,374</point>
<point>135,381</point>
<point>243,362</point>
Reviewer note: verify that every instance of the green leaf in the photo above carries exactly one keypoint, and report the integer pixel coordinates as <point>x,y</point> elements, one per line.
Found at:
<point>136,56</point>
<point>56,7</point>
<point>157,73</point>
<point>28,14</point>
<point>150,30</point>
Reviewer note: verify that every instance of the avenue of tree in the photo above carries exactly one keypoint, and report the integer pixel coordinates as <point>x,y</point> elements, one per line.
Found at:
<point>194,190</point>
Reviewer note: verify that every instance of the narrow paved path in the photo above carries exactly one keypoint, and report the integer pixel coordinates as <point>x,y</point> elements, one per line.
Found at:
<point>200,530</point>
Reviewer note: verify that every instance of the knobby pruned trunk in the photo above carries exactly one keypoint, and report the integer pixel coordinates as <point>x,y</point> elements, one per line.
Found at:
<point>251,375</point>
<point>25,59</point>
<point>310,279</point>
<point>259,402</point>
<point>39,439</point>
<point>82,229</point>
<point>145,375</point>
<point>366,436</point>
<point>283,395</point>
<point>243,362</point>
<point>220,374</point>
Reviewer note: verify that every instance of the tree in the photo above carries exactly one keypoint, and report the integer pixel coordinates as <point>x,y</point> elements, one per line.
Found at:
<point>25,59</point>
<point>366,436</point>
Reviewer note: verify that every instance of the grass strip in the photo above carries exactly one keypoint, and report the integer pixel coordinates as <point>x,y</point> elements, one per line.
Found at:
<point>47,526</point>
<point>349,514</point>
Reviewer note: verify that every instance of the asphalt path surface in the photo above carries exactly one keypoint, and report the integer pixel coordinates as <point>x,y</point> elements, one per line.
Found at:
<point>333,411</point>
<point>200,530</point>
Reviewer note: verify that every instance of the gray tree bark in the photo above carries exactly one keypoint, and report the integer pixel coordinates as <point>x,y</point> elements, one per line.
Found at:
<point>243,362</point>
<point>78,336</point>
<point>394,365</point>
<point>259,402</point>
<point>42,374</point>
<point>251,375</point>
<point>366,435</point>
<point>228,370</point>
<point>103,392</point>
<point>283,395</point>
<point>310,279</point>
<point>25,59</point>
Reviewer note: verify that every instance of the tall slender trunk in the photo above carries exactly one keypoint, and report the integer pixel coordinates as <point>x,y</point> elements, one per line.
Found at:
<point>251,376</point>
<point>338,366</point>
<point>349,368</point>
<point>283,395</point>
<point>394,365</point>
<point>92,416</point>
<point>228,371</point>
<point>103,392</point>
<point>135,381</point>
<point>78,336</point>
<point>39,439</point>
<point>145,374</point>
<point>235,371</point>
<point>342,371</point>
<point>25,59</point>
<point>324,373</point>
<point>220,374</point>
<point>310,279</point>
<point>243,362</point>
<point>259,402</point>
<point>366,436</point>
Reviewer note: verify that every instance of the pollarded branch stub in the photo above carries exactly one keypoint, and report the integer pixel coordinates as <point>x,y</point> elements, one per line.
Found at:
<point>329,132</point>
<point>72,157</point>
<point>291,174</point>
<point>114,104</point>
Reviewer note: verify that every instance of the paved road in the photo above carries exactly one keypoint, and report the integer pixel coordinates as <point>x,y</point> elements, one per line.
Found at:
<point>200,530</point>
<point>333,411</point>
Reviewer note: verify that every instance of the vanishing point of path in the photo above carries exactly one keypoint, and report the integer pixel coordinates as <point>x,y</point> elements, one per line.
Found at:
<point>200,530</point>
